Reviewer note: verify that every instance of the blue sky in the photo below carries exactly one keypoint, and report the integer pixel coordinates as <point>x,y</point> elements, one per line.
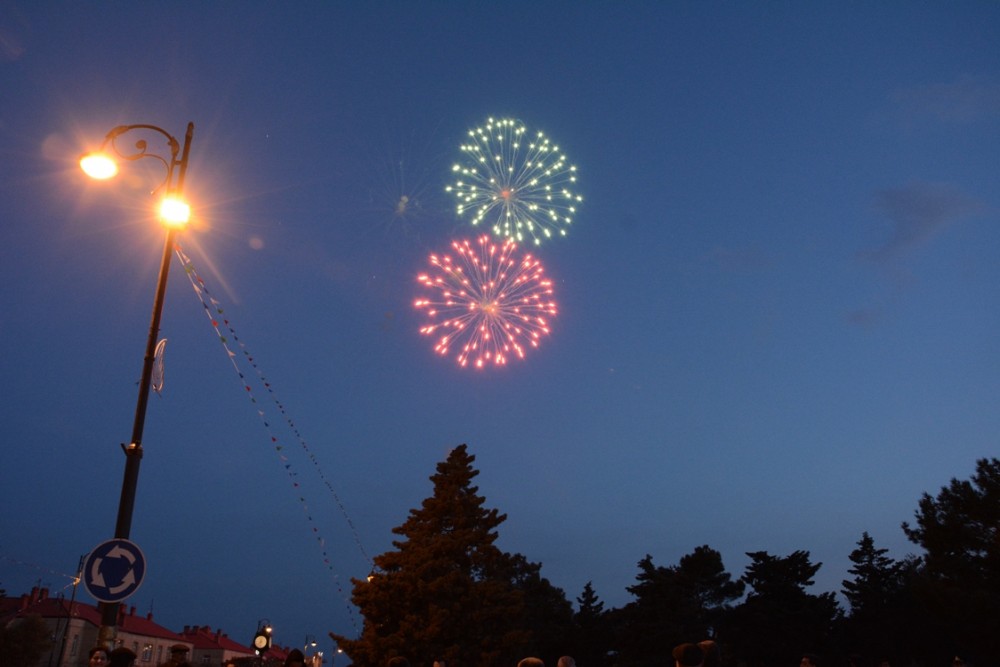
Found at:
<point>778,311</point>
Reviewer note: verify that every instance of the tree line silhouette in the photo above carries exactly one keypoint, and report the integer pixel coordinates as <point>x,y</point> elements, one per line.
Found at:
<point>446,592</point>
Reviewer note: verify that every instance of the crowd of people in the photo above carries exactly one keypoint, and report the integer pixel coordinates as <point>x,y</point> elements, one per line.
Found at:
<point>123,657</point>
<point>708,654</point>
<point>703,654</point>
<point>400,661</point>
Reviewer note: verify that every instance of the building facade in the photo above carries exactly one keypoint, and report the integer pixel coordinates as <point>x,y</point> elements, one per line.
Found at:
<point>213,648</point>
<point>74,627</point>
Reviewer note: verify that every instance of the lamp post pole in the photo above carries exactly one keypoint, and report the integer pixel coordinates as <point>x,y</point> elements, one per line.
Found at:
<point>173,186</point>
<point>262,639</point>
<point>309,642</point>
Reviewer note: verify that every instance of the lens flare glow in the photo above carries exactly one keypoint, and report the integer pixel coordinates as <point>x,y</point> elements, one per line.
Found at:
<point>485,303</point>
<point>520,186</point>
<point>98,166</point>
<point>175,212</point>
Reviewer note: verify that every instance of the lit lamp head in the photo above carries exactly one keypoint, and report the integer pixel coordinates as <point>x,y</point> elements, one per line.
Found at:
<point>99,166</point>
<point>175,213</point>
<point>262,640</point>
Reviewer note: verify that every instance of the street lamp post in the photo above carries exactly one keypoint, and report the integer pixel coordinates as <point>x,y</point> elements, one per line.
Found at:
<point>262,639</point>
<point>175,214</point>
<point>337,650</point>
<point>310,642</point>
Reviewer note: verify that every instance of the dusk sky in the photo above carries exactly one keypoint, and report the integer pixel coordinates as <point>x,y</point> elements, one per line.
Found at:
<point>777,303</point>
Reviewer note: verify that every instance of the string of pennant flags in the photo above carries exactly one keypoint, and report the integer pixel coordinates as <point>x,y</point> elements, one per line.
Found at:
<point>228,337</point>
<point>74,579</point>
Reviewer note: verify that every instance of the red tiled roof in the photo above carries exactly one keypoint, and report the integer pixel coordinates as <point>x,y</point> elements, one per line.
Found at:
<point>144,625</point>
<point>278,652</point>
<point>204,638</point>
<point>38,602</point>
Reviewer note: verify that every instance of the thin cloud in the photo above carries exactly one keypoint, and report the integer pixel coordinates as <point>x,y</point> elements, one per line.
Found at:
<point>865,317</point>
<point>11,47</point>
<point>965,100</point>
<point>917,212</point>
<point>884,302</point>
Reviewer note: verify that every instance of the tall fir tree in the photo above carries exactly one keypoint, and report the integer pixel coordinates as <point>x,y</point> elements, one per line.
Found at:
<point>702,575</point>
<point>592,640</point>
<point>779,620</point>
<point>676,604</point>
<point>446,592</point>
<point>876,594</point>
<point>546,613</point>
<point>886,621</point>
<point>959,530</point>
<point>876,579</point>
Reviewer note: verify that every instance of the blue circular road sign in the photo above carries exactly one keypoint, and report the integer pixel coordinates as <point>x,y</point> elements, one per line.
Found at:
<point>114,570</point>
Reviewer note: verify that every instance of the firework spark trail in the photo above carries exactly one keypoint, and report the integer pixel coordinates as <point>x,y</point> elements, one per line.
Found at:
<point>488,303</point>
<point>517,185</point>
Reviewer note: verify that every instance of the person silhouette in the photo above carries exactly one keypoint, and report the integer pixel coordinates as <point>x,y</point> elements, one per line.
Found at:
<point>688,655</point>
<point>121,657</point>
<point>97,657</point>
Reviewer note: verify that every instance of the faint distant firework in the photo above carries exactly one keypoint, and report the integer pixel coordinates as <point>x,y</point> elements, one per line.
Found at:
<point>519,185</point>
<point>485,303</point>
<point>401,196</point>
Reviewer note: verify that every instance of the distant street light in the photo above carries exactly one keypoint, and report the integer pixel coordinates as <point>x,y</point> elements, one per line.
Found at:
<point>337,651</point>
<point>174,213</point>
<point>262,640</point>
<point>310,642</point>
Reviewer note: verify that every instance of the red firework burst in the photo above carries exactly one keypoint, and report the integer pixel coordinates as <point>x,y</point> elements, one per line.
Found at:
<point>486,303</point>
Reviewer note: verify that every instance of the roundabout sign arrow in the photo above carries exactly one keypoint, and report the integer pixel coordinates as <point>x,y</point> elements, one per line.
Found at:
<point>114,570</point>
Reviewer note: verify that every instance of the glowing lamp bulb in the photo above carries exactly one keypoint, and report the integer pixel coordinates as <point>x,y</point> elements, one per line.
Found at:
<point>98,166</point>
<point>174,212</point>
